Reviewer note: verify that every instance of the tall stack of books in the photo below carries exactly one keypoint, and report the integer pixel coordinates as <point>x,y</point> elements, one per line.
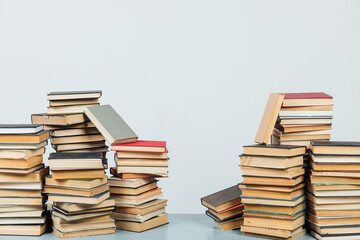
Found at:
<point>225,208</point>
<point>334,190</point>
<point>273,191</point>
<point>303,117</point>
<point>22,209</point>
<point>138,164</point>
<point>70,129</point>
<point>80,194</point>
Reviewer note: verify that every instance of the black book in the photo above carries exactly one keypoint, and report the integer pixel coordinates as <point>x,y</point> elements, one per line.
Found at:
<point>223,199</point>
<point>85,155</point>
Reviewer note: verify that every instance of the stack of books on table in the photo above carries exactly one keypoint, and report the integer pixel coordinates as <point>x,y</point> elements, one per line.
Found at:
<point>334,190</point>
<point>225,208</point>
<point>70,129</point>
<point>303,117</point>
<point>80,194</point>
<point>134,185</point>
<point>273,191</point>
<point>22,209</point>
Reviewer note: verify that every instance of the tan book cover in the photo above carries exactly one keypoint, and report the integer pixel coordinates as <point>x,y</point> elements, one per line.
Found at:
<point>269,118</point>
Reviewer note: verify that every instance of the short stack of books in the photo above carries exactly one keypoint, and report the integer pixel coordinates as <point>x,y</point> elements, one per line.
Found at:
<point>334,190</point>
<point>225,208</point>
<point>133,184</point>
<point>70,129</point>
<point>22,209</point>
<point>80,194</point>
<point>273,191</point>
<point>303,117</point>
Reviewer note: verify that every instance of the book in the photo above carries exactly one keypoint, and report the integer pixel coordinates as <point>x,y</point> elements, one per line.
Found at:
<point>79,146</point>
<point>141,162</point>
<point>77,139</point>
<point>78,161</point>
<point>79,199</point>
<point>72,126</point>
<point>21,201</point>
<point>334,159</point>
<point>263,232</point>
<point>69,109</point>
<point>76,183</point>
<point>137,217</point>
<point>132,175</point>
<point>77,207</point>
<point>162,171</point>
<point>305,121</point>
<point>74,132</point>
<point>22,146</point>
<point>129,183</point>
<point>269,118</point>
<point>76,191</point>
<point>272,188</point>
<point>223,199</point>
<point>272,201</point>
<point>90,232</point>
<point>278,173</point>
<point>125,200</point>
<point>23,230</point>
<point>36,176</point>
<point>133,191</point>
<point>299,114</point>
<point>8,129</point>
<point>66,95</point>
<point>22,170</point>
<point>271,194</point>
<point>78,227</point>
<point>271,162</point>
<point>37,137</point>
<point>286,128</point>
<point>230,224</point>
<point>141,146</point>
<point>143,208</point>
<point>274,150</point>
<point>141,155</point>
<point>21,154</point>
<point>21,185</point>
<point>140,227</point>
<point>72,102</point>
<point>276,209</point>
<point>110,124</point>
<point>60,120</point>
<point>227,214</point>
<point>273,181</point>
<point>78,174</point>
<point>307,99</point>
<point>336,147</point>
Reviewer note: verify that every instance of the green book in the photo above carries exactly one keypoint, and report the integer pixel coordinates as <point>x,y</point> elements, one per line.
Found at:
<point>109,123</point>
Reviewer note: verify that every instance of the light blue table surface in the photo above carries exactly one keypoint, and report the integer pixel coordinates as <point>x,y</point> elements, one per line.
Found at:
<point>180,227</point>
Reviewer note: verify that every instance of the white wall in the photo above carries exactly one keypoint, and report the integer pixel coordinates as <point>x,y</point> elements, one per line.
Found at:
<point>194,73</point>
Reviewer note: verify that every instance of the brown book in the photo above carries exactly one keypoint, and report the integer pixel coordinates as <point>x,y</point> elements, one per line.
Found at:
<point>19,193</point>
<point>262,232</point>
<point>143,208</point>
<point>78,146</point>
<point>25,138</point>
<point>21,154</point>
<point>58,119</point>
<point>288,210</point>
<point>133,191</point>
<point>278,173</point>
<point>75,183</point>
<point>274,150</point>
<point>272,188</point>
<point>271,161</point>
<point>228,214</point>
<point>230,224</point>
<point>140,227</point>
<point>269,118</point>
<point>223,199</point>
<point>94,232</point>
<point>302,128</point>
<point>271,194</point>
<point>72,126</point>
<point>36,176</point>
<point>21,163</point>
<point>335,147</point>
<point>78,174</point>
<point>74,132</point>
<point>275,221</point>
<point>77,207</point>
<point>23,230</point>
<point>273,181</point>
<point>77,139</point>
<point>76,191</point>
<point>72,102</point>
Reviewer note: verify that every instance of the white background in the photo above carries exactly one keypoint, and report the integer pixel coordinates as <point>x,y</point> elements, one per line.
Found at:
<point>194,73</point>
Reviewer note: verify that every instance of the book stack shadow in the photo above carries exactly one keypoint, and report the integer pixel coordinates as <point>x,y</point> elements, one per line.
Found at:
<point>273,191</point>
<point>333,190</point>
<point>134,185</point>
<point>22,172</point>
<point>225,208</point>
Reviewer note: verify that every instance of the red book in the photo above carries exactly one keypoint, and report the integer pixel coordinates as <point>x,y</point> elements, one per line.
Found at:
<point>307,99</point>
<point>306,95</point>
<point>141,146</point>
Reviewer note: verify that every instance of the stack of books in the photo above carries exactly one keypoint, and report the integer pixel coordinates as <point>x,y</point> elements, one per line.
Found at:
<point>138,164</point>
<point>22,209</point>
<point>334,190</point>
<point>134,185</point>
<point>303,117</point>
<point>70,129</point>
<point>80,194</point>
<point>225,208</point>
<point>273,191</point>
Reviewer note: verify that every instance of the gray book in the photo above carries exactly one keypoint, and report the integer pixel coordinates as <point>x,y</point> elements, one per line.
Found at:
<point>109,123</point>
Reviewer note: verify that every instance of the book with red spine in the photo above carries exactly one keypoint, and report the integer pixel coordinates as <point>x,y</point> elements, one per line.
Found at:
<point>141,146</point>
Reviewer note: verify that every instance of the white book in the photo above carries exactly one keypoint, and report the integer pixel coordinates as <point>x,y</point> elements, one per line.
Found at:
<point>305,114</point>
